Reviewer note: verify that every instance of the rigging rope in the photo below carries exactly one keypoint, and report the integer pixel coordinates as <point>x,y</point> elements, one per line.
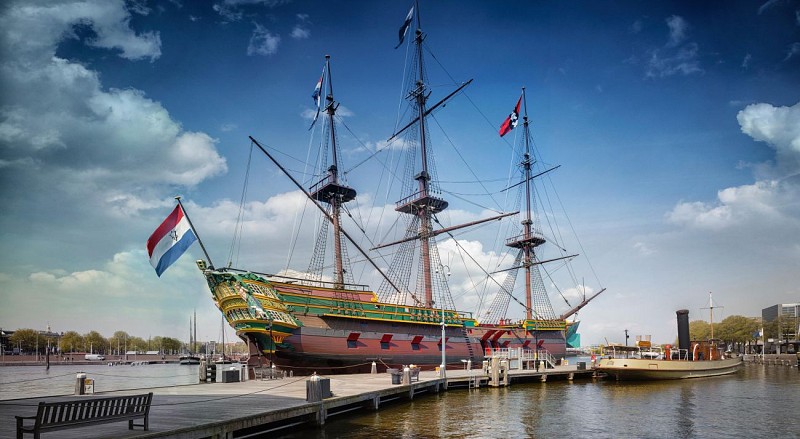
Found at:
<point>238,227</point>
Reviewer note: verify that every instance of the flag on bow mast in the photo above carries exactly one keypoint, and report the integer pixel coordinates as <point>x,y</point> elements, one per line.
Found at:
<point>170,240</point>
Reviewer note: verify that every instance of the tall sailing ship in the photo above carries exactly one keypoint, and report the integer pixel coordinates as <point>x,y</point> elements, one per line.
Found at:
<point>328,323</point>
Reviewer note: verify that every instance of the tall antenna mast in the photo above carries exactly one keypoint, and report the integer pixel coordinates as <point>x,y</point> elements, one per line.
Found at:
<point>710,309</point>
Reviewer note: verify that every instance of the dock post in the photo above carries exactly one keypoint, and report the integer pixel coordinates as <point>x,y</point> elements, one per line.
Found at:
<point>571,376</point>
<point>322,413</point>
<point>544,377</point>
<point>494,373</point>
<point>374,368</point>
<point>376,402</point>
<point>80,384</point>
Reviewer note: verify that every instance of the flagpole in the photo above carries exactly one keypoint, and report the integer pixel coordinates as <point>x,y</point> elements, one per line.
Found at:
<point>210,264</point>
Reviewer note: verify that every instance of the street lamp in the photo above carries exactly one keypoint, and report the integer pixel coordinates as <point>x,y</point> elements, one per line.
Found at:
<point>443,366</point>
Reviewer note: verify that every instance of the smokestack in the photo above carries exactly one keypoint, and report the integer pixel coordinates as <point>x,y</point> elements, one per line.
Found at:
<point>683,330</point>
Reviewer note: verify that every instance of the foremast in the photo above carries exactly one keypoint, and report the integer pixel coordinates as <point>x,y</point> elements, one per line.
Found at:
<point>329,190</point>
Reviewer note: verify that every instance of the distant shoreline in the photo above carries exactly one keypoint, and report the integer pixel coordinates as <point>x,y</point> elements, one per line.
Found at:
<point>78,359</point>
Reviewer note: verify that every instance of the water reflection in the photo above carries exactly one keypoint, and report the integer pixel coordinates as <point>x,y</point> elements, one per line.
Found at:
<point>758,402</point>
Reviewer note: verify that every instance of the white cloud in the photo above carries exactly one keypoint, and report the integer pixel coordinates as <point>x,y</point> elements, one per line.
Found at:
<point>746,60</point>
<point>126,281</point>
<point>779,127</point>
<point>677,30</point>
<point>34,31</point>
<point>85,154</point>
<point>234,10</point>
<point>769,204</point>
<point>677,57</point>
<point>263,42</point>
<point>683,61</point>
<point>792,51</point>
<point>643,249</point>
<point>228,12</point>
<point>300,30</point>
<point>341,112</point>
<point>300,33</point>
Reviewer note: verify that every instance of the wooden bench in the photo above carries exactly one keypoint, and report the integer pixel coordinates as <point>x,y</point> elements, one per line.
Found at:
<point>53,416</point>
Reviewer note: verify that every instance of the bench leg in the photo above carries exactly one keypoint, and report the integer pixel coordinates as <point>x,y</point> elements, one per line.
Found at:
<point>145,424</point>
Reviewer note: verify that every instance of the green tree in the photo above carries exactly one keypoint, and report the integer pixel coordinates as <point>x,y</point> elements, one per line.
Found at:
<point>94,342</point>
<point>71,341</point>
<point>24,339</point>
<point>699,330</point>
<point>736,329</point>
<point>137,344</point>
<point>772,329</point>
<point>156,344</point>
<point>170,345</point>
<point>119,341</point>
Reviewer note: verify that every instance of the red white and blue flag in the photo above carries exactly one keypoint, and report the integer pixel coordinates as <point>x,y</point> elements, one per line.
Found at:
<point>511,121</point>
<point>317,96</point>
<point>170,240</point>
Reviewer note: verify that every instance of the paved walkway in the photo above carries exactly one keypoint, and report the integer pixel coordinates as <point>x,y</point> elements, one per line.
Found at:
<point>186,406</point>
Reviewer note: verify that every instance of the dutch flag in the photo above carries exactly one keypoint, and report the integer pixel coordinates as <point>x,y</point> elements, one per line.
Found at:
<point>170,240</point>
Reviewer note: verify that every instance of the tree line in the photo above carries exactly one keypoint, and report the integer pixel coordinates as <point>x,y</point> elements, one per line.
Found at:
<point>737,330</point>
<point>32,341</point>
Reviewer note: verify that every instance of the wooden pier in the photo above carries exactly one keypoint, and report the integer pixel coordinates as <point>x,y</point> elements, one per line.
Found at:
<point>249,408</point>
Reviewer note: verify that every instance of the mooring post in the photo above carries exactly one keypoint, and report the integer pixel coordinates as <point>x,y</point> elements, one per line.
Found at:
<point>80,382</point>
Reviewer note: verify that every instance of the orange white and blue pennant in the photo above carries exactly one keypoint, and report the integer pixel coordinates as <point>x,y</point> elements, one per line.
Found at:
<point>170,240</point>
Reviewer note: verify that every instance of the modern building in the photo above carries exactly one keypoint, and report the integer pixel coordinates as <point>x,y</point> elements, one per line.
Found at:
<point>783,321</point>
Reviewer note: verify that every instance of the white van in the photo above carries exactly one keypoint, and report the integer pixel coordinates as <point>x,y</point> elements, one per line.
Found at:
<point>94,357</point>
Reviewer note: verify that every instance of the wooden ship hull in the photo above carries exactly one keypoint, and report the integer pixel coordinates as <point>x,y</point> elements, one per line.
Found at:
<point>308,328</point>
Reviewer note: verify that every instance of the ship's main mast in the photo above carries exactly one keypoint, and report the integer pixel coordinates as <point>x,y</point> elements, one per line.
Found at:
<point>422,204</point>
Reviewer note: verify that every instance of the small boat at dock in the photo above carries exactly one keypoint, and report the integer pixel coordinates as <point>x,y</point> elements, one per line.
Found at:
<point>693,359</point>
<point>189,359</point>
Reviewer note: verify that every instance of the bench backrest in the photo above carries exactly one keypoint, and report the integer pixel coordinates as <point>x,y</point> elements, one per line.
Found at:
<point>71,412</point>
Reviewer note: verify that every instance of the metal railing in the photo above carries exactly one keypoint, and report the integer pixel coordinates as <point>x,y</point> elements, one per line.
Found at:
<point>521,354</point>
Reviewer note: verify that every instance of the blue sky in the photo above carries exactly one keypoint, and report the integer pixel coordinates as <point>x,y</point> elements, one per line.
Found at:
<point>676,125</point>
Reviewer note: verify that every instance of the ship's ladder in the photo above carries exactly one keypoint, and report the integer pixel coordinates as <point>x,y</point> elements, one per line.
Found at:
<point>469,345</point>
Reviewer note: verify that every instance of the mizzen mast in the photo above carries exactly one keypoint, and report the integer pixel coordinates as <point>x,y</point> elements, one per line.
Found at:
<point>529,239</point>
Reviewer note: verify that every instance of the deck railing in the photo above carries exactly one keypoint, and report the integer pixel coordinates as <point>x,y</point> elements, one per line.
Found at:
<point>522,354</point>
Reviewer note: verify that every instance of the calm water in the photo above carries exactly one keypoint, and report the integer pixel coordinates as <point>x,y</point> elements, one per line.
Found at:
<point>758,402</point>
<point>28,381</point>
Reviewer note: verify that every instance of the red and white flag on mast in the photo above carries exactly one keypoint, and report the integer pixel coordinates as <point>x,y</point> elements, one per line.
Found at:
<point>511,121</point>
